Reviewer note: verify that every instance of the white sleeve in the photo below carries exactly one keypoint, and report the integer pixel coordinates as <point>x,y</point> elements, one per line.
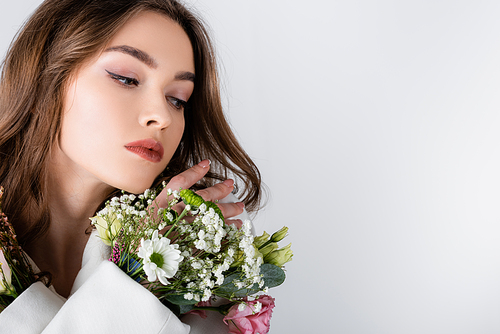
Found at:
<point>111,302</point>
<point>31,312</point>
<point>108,302</point>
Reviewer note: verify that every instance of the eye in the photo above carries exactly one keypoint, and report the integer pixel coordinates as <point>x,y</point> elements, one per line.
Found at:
<point>177,103</point>
<point>125,81</point>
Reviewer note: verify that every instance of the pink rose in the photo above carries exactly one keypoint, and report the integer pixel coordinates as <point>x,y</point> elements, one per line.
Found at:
<point>254,317</point>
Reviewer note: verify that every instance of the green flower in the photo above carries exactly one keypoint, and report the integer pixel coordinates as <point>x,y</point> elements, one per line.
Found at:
<point>268,248</point>
<point>279,235</point>
<point>279,257</point>
<point>260,241</point>
<point>189,197</point>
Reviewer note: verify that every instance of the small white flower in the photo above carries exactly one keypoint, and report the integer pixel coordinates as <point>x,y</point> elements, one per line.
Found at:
<point>242,307</point>
<point>196,265</point>
<point>160,258</point>
<point>200,244</point>
<point>206,295</point>
<point>169,216</point>
<point>203,207</point>
<point>257,307</point>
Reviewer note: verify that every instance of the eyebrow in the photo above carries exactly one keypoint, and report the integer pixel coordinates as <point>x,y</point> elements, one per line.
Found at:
<point>136,53</point>
<point>185,76</point>
<point>148,60</point>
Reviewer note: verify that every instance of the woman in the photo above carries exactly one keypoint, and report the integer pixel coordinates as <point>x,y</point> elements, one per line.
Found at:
<point>98,96</point>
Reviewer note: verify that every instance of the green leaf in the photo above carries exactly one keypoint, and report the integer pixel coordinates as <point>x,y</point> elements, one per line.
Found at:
<point>178,299</point>
<point>185,308</point>
<point>272,276</point>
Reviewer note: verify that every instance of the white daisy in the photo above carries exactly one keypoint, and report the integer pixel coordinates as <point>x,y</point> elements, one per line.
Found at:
<point>160,258</point>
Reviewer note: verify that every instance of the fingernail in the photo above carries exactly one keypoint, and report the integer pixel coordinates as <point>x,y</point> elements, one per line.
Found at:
<point>205,163</point>
<point>229,183</point>
<point>241,205</point>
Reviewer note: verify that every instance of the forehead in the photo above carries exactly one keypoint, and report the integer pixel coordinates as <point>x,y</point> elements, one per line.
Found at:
<point>158,36</point>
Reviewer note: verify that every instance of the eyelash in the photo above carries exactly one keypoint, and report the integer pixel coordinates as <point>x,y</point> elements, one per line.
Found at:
<point>176,103</point>
<point>127,82</point>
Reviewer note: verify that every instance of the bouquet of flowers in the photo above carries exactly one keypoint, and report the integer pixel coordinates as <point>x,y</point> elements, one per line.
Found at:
<point>186,255</point>
<point>16,273</point>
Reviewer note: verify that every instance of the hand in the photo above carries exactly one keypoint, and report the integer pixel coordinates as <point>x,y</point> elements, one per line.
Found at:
<point>189,177</point>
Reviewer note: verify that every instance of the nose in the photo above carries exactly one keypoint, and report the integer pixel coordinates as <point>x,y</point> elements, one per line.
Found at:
<point>155,113</point>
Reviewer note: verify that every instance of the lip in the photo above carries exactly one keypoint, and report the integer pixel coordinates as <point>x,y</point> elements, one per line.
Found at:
<point>148,149</point>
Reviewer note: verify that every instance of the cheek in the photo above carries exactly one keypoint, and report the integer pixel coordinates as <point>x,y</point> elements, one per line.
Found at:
<point>180,129</point>
<point>175,132</point>
<point>90,123</point>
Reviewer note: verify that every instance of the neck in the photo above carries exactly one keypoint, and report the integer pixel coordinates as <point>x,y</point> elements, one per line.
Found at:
<point>72,200</point>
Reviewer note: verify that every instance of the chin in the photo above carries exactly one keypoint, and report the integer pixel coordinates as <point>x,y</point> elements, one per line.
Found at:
<point>136,187</point>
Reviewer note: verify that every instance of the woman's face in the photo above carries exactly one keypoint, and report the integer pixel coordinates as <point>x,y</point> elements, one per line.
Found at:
<point>123,112</point>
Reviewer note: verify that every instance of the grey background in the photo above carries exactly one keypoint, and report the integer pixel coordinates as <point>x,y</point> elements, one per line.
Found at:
<point>375,125</point>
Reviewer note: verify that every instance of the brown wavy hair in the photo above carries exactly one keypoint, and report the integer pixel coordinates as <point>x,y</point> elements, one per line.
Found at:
<point>58,38</point>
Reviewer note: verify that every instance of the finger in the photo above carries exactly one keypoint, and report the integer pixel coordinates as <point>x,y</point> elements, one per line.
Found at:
<point>218,191</point>
<point>184,180</point>
<point>231,209</point>
<point>236,222</point>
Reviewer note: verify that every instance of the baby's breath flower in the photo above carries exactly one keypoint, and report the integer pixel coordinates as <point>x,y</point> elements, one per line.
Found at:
<point>257,307</point>
<point>206,295</point>
<point>169,216</point>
